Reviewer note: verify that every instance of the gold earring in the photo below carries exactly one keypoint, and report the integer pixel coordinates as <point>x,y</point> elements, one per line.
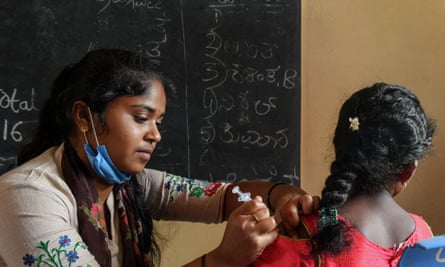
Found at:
<point>84,129</point>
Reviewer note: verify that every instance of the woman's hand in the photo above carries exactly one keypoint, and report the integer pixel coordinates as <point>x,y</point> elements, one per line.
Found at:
<point>250,228</point>
<point>288,210</point>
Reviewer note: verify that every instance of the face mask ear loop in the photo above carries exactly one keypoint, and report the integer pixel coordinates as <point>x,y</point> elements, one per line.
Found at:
<point>92,125</point>
<point>84,130</point>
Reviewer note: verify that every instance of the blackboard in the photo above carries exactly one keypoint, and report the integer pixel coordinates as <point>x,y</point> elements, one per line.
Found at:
<point>235,63</point>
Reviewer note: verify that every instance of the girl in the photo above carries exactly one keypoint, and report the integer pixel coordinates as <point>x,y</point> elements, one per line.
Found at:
<point>382,133</point>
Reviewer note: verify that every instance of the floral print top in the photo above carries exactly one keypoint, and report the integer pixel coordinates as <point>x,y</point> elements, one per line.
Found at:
<point>39,219</point>
<point>54,255</point>
<point>195,187</point>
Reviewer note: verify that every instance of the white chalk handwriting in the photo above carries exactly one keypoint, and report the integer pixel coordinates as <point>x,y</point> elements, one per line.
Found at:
<point>12,102</point>
<point>133,4</point>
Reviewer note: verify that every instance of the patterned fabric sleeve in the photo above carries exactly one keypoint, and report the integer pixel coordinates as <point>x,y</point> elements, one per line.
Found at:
<point>173,197</point>
<point>38,220</point>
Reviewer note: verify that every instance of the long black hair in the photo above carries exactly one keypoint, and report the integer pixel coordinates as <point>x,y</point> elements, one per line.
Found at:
<point>381,131</point>
<point>100,76</point>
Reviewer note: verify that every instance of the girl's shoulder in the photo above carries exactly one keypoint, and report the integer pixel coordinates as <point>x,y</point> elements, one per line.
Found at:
<point>422,231</point>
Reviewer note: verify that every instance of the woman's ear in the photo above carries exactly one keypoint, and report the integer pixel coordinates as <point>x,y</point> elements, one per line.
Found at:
<point>80,116</point>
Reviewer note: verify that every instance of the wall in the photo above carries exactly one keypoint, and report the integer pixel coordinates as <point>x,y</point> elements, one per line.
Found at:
<point>348,44</point>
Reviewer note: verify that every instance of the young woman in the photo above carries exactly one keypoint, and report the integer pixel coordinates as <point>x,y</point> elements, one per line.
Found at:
<point>83,197</point>
<point>382,133</point>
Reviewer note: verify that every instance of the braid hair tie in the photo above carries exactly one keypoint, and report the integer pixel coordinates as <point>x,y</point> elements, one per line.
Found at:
<point>328,216</point>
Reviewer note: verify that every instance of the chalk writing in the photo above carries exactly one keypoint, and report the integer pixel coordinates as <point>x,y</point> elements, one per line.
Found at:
<point>290,79</point>
<point>263,108</point>
<point>271,173</point>
<point>292,177</point>
<point>12,131</point>
<point>151,47</point>
<point>134,4</point>
<point>240,3</point>
<point>244,87</point>
<point>253,51</point>
<point>278,139</point>
<point>207,132</point>
<point>12,102</point>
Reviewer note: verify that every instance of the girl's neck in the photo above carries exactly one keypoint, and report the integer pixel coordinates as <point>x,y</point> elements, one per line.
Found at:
<point>373,201</point>
<point>379,218</point>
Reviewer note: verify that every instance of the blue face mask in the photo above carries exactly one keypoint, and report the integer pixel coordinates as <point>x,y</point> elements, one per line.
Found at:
<point>104,166</point>
<point>101,161</point>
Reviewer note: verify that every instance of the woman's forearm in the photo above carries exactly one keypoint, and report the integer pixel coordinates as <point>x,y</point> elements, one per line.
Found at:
<point>259,188</point>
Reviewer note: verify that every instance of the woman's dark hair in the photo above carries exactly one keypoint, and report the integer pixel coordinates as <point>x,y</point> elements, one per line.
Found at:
<point>101,76</point>
<point>391,132</point>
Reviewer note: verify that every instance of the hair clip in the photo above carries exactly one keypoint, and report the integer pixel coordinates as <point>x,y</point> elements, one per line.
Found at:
<point>354,124</point>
